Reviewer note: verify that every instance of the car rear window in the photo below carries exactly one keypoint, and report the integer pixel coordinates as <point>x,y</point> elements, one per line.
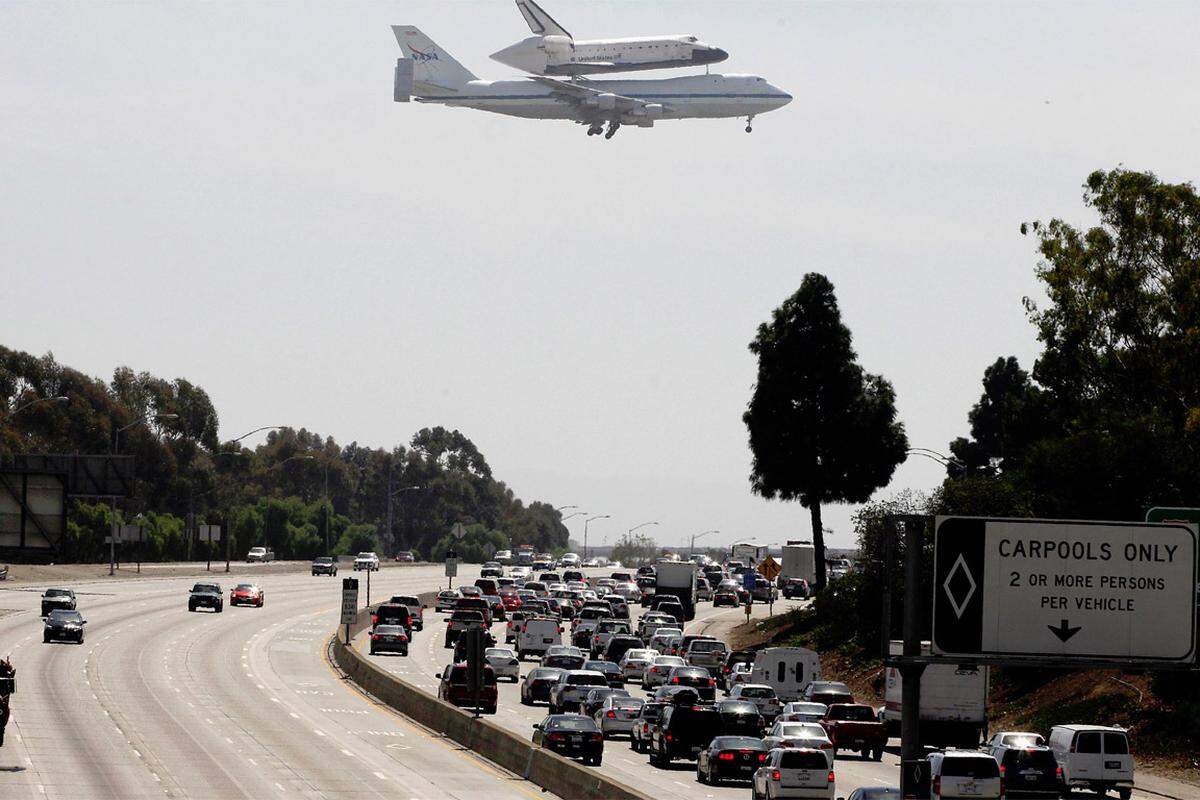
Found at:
<point>587,680</point>
<point>1026,759</point>
<point>757,691</point>
<point>970,767</point>
<point>1088,743</point>
<point>705,646</point>
<point>698,723</point>
<point>800,759</point>
<point>852,713</point>
<point>573,723</point>
<point>1115,744</point>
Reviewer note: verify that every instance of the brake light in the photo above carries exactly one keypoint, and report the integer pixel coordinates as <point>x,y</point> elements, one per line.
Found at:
<point>725,757</point>
<point>712,682</point>
<point>557,737</point>
<point>775,775</point>
<point>762,756</point>
<point>1003,769</point>
<point>670,738</point>
<point>597,737</point>
<point>611,714</point>
<point>374,618</point>
<point>374,636</point>
<point>831,776</point>
<point>674,680</point>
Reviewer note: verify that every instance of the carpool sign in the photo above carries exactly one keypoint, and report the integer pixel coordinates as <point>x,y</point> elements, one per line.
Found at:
<point>1062,590</point>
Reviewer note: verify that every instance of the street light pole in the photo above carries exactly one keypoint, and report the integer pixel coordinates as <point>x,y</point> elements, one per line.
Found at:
<point>112,538</point>
<point>56,399</point>
<point>587,522</point>
<point>696,536</point>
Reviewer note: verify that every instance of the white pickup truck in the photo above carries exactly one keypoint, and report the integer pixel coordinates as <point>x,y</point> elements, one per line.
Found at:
<point>367,561</point>
<point>263,554</point>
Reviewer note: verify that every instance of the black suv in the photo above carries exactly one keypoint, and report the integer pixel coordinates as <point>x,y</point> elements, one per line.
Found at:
<point>696,678</point>
<point>206,595</point>
<point>682,732</point>
<point>1029,772</point>
<point>52,599</point>
<point>740,718</point>
<point>63,625</point>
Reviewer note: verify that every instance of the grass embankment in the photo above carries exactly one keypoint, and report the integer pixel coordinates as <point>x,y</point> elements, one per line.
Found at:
<point>1166,740</point>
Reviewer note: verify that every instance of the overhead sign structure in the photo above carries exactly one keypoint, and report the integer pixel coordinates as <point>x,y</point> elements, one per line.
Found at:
<point>349,600</point>
<point>1117,592</point>
<point>769,568</point>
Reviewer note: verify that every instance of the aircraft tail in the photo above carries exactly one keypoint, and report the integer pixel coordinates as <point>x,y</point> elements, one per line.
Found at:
<point>433,70</point>
<point>541,23</point>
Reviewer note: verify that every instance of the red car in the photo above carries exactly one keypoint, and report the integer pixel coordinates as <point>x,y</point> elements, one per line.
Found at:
<point>511,601</point>
<point>247,594</point>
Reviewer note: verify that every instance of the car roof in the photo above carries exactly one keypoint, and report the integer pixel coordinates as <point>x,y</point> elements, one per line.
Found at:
<point>1107,728</point>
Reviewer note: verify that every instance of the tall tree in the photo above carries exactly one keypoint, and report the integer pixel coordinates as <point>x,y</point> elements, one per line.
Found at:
<point>821,429</point>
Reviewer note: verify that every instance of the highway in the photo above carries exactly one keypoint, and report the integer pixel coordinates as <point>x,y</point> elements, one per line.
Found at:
<point>159,702</point>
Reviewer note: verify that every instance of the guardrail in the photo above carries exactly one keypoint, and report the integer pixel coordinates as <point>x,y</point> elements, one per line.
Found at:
<point>518,755</point>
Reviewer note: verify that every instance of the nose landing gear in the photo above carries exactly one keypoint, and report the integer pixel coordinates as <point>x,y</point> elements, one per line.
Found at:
<point>750,124</point>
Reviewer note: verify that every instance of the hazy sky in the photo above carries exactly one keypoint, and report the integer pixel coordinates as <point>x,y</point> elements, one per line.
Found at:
<point>227,193</point>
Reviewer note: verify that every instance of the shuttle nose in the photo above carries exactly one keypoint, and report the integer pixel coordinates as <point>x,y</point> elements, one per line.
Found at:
<point>710,55</point>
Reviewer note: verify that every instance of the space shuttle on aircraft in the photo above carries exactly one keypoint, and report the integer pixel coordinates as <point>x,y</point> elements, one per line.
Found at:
<point>553,51</point>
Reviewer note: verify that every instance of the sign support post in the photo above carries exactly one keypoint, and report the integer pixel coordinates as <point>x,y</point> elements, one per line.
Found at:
<point>349,604</point>
<point>910,673</point>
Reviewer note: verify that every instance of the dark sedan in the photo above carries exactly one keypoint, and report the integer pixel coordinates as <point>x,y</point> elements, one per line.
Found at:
<point>564,661</point>
<point>389,639</point>
<point>611,672</point>
<point>64,626</point>
<point>696,678</point>
<point>537,683</point>
<point>740,718</point>
<point>61,599</point>
<point>730,757</point>
<point>571,735</point>
<point>596,697</point>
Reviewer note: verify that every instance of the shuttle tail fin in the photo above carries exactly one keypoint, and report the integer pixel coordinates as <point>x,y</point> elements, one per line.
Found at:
<point>434,71</point>
<point>541,23</point>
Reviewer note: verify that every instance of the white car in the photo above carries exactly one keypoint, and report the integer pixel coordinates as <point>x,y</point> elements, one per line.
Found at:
<point>794,772</point>
<point>446,600</point>
<point>761,695</point>
<point>961,774</point>
<point>569,560</point>
<point>802,712</point>
<point>652,621</point>
<point>618,714</point>
<point>367,561</point>
<point>520,573</point>
<point>503,662</point>
<point>803,734</point>
<point>742,673</point>
<point>662,637</point>
<point>633,664</point>
<point>656,674</point>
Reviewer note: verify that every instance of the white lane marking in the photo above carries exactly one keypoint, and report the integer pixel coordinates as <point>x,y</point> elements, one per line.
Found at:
<point>253,763</point>
<point>347,753</point>
<point>383,777</point>
<point>279,786</point>
<point>294,715</point>
<point>318,733</point>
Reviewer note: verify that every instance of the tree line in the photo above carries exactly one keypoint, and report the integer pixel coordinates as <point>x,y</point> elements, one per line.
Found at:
<point>295,491</point>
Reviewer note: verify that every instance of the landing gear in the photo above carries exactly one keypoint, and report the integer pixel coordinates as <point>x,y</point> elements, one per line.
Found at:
<point>595,130</point>
<point>613,127</point>
<point>750,124</point>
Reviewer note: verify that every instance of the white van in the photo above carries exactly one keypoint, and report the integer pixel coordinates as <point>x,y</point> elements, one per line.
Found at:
<point>1093,757</point>
<point>787,670</point>
<point>537,635</point>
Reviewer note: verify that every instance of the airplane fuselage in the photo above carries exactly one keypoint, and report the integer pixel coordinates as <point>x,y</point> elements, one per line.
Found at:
<point>559,55</point>
<point>690,97</point>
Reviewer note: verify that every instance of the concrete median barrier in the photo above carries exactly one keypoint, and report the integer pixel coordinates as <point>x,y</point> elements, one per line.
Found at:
<point>518,755</point>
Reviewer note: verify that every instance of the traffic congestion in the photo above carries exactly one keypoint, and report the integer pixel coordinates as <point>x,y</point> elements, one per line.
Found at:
<point>630,669</point>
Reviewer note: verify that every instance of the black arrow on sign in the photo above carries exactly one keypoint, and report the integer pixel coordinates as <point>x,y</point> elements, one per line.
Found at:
<point>1063,631</point>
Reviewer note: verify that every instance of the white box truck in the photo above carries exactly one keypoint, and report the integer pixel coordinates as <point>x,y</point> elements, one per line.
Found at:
<point>799,561</point>
<point>677,578</point>
<point>953,702</point>
<point>788,670</point>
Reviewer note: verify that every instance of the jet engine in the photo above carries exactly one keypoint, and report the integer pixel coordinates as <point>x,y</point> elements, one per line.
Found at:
<point>558,49</point>
<point>605,102</point>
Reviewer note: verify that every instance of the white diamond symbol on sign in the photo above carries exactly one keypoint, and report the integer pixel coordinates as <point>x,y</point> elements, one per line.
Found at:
<point>958,607</point>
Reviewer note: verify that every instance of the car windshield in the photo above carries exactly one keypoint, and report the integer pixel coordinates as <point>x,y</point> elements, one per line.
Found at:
<point>407,600</point>
<point>543,673</point>
<point>65,616</point>
<point>970,767</point>
<point>669,661</point>
<point>571,723</point>
<point>324,560</point>
<point>852,713</point>
<point>245,587</point>
<point>57,593</point>
<point>206,587</point>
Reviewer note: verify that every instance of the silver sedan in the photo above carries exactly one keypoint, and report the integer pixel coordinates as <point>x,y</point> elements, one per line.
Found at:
<point>503,662</point>
<point>617,715</point>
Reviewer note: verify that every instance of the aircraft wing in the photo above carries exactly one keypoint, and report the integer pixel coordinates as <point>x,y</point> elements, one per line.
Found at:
<point>589,99</point>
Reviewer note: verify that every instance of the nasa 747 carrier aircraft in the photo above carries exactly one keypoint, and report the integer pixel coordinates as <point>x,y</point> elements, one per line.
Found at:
<point>553,51</point>
<point>431,75</point>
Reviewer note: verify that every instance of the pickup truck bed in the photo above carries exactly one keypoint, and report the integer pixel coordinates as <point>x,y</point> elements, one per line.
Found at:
<point>867,738</point>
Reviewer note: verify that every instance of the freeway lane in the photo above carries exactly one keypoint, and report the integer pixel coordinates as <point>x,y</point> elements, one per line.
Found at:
<point>162,703</point>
